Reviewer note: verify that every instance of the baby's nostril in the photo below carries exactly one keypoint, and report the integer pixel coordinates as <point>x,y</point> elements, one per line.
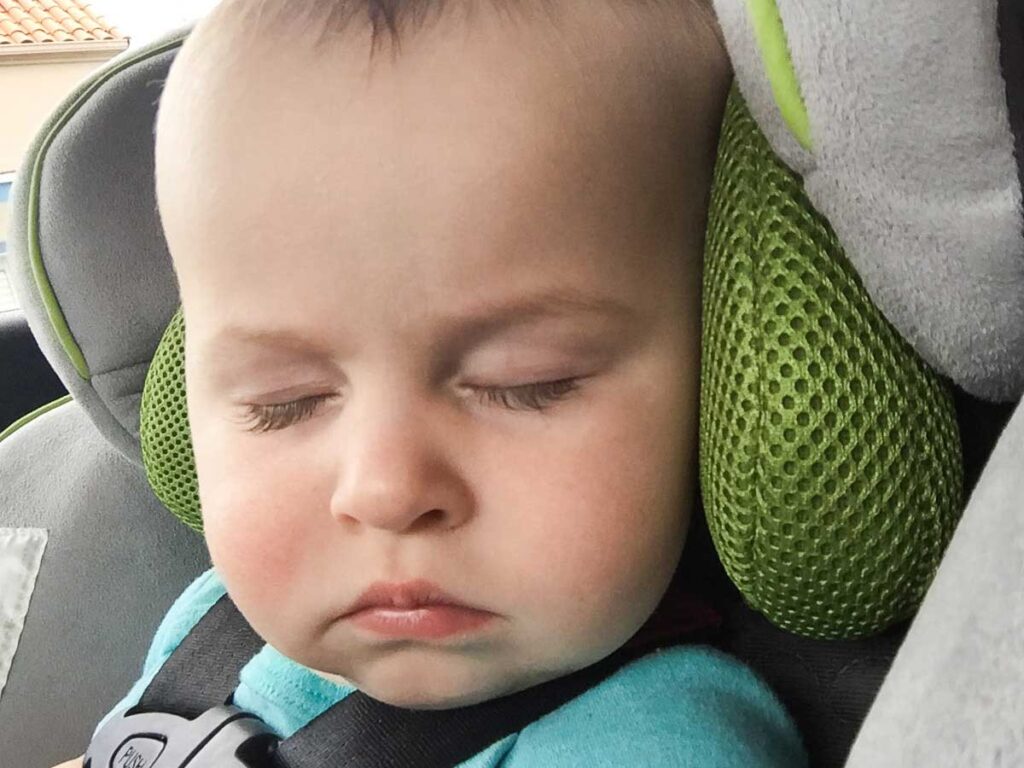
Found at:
<point>432,517</point>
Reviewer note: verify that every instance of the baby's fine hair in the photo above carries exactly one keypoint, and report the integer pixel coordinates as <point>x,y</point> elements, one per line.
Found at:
<point>324,20</point>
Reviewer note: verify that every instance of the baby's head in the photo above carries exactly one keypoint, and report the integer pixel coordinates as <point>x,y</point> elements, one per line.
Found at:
<point>441,282</point>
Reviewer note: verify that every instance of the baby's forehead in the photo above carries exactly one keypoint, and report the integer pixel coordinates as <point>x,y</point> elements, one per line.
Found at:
<point>482,149</point>
<point>502,80</point>
<point>587,47</point>
<point>390,27</point>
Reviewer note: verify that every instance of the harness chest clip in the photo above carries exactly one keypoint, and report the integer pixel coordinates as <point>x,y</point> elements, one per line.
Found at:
<point>222,737</point>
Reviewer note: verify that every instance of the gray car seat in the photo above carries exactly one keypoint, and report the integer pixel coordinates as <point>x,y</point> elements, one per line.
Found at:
<point>96,283</point>
<point>114,559</point>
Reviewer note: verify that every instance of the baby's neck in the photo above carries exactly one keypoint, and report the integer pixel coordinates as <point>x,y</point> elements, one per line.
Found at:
<point>337,679</point>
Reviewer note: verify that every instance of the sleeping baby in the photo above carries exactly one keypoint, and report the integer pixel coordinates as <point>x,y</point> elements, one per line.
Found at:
<point>440,269</point>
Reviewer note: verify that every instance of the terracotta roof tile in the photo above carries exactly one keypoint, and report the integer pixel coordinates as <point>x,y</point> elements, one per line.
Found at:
<point>23,22</point>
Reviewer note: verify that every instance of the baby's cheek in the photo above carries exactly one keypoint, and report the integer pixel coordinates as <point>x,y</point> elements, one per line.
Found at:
<point>258,542</point>
<point>610,545</point>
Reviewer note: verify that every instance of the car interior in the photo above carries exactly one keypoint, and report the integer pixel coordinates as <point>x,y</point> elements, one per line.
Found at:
<point>94,443</point>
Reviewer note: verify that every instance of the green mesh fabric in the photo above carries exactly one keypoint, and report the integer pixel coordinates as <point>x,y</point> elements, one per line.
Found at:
<point>830,456</point>
<point>164,432</point>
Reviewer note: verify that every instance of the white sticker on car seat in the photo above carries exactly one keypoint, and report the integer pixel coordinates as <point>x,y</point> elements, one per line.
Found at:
<point>21,552</point>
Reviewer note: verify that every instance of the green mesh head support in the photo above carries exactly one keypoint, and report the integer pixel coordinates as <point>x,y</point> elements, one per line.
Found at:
<point>163,428</point>
<point>829,453</point>
<point>830,456</point>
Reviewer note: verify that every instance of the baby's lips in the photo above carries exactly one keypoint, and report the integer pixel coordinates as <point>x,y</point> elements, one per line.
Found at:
<point>411,594</point>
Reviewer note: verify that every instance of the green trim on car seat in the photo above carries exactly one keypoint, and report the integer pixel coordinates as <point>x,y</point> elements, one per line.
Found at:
<point>29,416</point>
<point>771,39</point>
<point>72,103</point>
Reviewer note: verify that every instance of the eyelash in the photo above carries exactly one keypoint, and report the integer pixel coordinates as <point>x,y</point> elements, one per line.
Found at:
<point>529,397</point>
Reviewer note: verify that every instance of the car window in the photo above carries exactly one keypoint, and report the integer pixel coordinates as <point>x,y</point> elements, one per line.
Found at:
<point>7,300</point>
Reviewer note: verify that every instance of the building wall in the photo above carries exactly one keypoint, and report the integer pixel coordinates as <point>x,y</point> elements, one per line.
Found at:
<point>28,94</point>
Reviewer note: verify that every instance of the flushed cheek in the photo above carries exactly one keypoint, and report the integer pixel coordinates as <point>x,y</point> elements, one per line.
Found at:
<point>598,558</point>
<point>264,538</point>
<point>607,569</point>
<point>608,521</point>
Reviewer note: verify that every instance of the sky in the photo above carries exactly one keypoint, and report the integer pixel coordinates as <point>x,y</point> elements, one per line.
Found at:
<point>143,20</point>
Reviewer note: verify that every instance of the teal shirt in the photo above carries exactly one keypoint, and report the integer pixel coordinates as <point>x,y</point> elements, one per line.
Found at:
<point>680,707</point>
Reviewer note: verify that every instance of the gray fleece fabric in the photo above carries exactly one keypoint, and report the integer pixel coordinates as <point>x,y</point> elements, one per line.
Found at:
<point>912,162</point>
<point>954,696</point>
<point>114,562</point>
<point>100,238</point>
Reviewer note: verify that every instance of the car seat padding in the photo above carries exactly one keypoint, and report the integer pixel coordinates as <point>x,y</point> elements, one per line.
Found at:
<point>830,455</point>
<point>115,559</point>
<point>953,696</point>
<point>94,255</point>
<point>921,188</point>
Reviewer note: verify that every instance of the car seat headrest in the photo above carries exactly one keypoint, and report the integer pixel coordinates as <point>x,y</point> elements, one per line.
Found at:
<point>89,264</point>
<point>830,456</point>
<point>922,188</point>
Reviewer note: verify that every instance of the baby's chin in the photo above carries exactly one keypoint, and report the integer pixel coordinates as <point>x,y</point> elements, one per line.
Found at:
<point>436,686</point>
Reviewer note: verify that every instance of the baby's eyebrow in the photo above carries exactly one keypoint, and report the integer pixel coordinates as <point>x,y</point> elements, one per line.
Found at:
<point>484,320</point>
<point>461,330</point>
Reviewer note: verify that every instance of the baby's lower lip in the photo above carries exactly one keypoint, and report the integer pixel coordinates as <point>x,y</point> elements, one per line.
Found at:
<point>425,622</point>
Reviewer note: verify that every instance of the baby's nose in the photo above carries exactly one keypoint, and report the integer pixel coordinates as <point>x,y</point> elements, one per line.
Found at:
<point>393,475</point>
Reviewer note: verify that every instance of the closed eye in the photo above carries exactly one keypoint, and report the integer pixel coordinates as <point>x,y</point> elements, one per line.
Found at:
<point>527,397</point>
<point>531,397</point>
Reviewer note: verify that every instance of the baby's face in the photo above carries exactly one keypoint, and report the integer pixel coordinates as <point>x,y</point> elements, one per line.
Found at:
<point>442,324</point>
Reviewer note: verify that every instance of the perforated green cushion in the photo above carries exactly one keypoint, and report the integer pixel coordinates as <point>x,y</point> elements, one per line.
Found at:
<point>830,456</point>
<point>164,432</point>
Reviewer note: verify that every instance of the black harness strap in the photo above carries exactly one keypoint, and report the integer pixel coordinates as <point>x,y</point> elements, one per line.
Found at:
<point>361,732</point>
<point>203,670</point>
